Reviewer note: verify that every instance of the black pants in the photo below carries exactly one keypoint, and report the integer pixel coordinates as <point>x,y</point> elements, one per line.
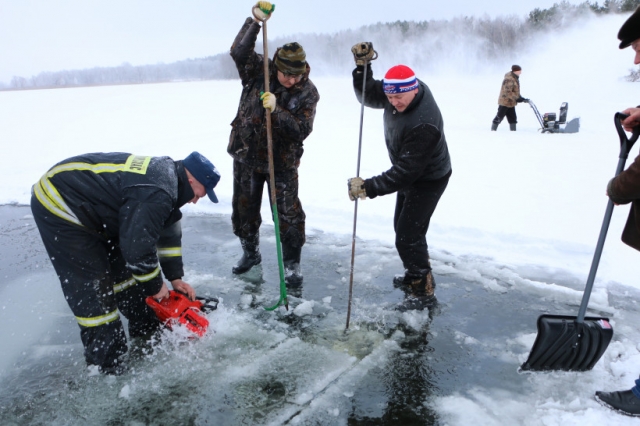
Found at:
<point>414,208</point>
<point>510,112</point>
<point>96,284</point>
<point>248,185</point>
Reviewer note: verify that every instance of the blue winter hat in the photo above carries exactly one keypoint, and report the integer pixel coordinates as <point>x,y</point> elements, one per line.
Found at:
<point>204,172</point>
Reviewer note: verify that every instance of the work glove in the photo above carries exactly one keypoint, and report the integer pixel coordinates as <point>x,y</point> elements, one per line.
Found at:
<point>268,101</point>
<point>356,188</point>
<point>363,51</point>
<point>262,10</point>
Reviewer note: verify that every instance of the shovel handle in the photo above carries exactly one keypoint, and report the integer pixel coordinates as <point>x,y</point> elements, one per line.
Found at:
<point>625,147</point>
<point>625,143</point>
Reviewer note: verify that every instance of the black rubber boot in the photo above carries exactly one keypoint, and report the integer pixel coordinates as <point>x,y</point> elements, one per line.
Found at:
<point>291,260</point>
<point>494,127</point>
<point>251,255</point>
<point>512,127</point>
<point>419,292</point>
<point>116,367</point>
<point>624,402</point>
<point>398,281</point>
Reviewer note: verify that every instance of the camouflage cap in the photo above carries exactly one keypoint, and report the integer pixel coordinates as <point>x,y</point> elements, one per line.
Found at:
<point>630,30</point>
<point>291,59</point>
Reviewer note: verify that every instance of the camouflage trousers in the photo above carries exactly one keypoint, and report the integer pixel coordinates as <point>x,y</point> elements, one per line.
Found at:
<point>248,184</point>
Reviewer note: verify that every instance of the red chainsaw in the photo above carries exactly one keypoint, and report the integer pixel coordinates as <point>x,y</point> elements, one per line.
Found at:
<point>178,309</point>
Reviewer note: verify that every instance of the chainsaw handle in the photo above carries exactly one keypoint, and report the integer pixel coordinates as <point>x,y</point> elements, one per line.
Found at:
<point>208,303</point>
<point>625,143</point>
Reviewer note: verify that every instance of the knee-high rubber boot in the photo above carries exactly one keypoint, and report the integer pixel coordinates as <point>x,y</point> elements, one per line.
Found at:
<point>512,127</point>
<point>494,127</point>
<point>291,260</point>
<point>251,255</point>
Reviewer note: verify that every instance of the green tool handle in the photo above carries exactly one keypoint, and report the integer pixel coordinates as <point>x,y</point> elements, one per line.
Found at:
<point>283,287</point>
<point>272,179</point>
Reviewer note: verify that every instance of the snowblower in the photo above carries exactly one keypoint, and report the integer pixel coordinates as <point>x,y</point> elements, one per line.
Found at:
<point>550,123</point>
<point>178,309</point>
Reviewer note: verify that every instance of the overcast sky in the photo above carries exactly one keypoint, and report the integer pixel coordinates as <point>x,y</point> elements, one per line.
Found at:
<point>52,35</point>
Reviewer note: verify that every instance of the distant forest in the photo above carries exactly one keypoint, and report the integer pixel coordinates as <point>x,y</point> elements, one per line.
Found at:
<point>439,41</point>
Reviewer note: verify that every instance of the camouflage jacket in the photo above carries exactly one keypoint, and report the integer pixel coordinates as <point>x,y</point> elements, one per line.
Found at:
<point>510,91</point>
<point>292,120</point>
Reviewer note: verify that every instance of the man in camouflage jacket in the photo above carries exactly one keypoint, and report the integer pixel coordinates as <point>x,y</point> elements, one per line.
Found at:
<point>291,100</point>
<point>509,97</point>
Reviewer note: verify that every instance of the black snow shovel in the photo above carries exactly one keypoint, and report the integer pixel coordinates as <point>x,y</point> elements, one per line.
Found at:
<point>570,343</point>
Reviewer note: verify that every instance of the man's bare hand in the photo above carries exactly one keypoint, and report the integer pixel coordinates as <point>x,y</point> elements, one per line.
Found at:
<point>185,288</point>
<point>633,120</point>
<point>164,292</point>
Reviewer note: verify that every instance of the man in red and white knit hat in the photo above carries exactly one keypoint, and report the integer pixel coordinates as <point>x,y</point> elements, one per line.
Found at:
<point>420,170</point>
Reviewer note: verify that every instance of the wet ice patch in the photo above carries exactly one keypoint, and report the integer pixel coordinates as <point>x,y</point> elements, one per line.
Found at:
<point>464,339</point>
<point>416,319</point>
<point>335,395</point>
<point>500,278</point>
<point>125,392</point>
<point>305,308</point>
<point>31,306</point>
<point>245,300</point>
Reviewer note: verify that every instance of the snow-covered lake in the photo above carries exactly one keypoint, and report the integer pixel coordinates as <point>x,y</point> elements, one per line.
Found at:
<point>520,219</point>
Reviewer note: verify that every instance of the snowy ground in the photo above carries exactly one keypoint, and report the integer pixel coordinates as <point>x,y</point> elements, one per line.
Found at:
<point>520,217</point>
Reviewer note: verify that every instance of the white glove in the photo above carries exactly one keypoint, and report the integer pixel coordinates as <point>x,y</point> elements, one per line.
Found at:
<point>262,10</point>
<point>268,101</point>
<point>356,188</point>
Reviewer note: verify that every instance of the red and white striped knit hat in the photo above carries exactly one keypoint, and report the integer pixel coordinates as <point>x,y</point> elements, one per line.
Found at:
<point>399,79</point>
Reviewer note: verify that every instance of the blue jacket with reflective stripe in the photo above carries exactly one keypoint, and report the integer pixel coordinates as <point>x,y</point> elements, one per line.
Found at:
<point>135,205</point>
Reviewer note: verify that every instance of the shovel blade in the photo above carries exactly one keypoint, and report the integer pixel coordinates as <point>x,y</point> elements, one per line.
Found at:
<point>564,344</point>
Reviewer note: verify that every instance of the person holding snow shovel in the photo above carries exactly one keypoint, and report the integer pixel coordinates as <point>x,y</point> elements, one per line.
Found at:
<point>420,167</point>
<point>624,189</point>
<point>509,98</point>
<point>110,223</point>
<point>291,102</point>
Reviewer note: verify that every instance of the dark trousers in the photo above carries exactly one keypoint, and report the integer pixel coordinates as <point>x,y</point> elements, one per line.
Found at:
<point>510,112</point>
<point>414,208</point>
<point>96,284</point>
<point>248,184</point>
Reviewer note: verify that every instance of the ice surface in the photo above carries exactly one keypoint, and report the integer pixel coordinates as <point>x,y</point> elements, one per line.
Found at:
<point>513,237</point>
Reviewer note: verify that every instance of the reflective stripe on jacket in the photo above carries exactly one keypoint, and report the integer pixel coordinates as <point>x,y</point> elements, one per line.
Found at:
<point>129,200</point>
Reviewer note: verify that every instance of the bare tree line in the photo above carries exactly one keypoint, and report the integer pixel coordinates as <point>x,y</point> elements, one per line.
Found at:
<point>429,45</point>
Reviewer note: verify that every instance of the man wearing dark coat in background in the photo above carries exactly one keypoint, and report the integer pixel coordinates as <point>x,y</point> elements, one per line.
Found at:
<point>111,224</point>
<point>624,189</point>
<point>291,102</point>
<point>509,97</point>
<point>420,167</point>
